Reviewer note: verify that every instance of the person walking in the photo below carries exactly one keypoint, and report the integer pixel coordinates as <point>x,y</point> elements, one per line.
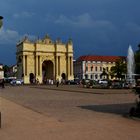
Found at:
<point>2,84</point>
<point>57,82</point>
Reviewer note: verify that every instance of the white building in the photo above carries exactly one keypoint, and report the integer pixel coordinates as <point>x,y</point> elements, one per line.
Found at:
<point>92,67</point>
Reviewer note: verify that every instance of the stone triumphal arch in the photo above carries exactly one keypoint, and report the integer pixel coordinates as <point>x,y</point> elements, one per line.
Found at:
<point>44,59</point>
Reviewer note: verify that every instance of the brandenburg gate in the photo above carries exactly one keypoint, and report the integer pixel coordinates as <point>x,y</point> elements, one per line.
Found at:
<point>44,59</point>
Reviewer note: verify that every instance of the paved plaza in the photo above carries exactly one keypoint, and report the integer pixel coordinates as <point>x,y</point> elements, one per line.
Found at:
<point>67,113</point>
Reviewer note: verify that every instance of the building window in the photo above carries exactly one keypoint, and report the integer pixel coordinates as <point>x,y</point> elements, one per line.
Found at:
<point>91,77</point>
<point>96,76</point>
<point>86,68</point>
<point>96,69</point>
<point>100,68</point>
<point>86,76</point>
<point>106,68</point>
<point>91,68</point>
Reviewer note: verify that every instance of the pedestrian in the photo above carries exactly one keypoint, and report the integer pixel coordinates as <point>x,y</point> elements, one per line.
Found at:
<point>57,82</point>
<point>2,84</point>
<point>37,81</point>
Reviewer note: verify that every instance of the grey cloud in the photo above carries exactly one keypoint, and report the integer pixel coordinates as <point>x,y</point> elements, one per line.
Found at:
<point>83,21</point>
<point>23,14</point>
<point>8,36</point>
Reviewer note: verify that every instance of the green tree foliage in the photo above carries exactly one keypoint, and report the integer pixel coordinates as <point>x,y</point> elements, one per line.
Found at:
<point>137,61</point>
<point>119,70</point>
<point>104,74</point>
<point>6,70</point>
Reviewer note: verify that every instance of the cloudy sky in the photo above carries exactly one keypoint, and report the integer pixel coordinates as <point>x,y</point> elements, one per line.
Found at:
<point>97,27</point>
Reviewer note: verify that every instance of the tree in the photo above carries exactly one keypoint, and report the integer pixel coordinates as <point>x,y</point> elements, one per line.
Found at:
<point>6,70</point>
<point>137,61</point>
<point>119,70</point>
<point>104,74</point>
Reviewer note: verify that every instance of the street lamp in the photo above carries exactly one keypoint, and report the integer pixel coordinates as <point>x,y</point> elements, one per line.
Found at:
<point>0,27</point>
<point>1,21</point>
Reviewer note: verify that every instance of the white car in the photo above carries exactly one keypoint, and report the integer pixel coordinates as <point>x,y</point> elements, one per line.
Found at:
<point>17,82</point>
<point>103,82</point>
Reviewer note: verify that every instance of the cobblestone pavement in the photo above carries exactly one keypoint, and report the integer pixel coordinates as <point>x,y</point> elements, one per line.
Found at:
<point>67,112</point>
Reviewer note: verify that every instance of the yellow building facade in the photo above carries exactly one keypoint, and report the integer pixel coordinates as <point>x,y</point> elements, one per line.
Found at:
<point>44,60</point>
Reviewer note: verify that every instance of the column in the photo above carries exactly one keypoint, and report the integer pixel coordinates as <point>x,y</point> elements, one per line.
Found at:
<point>71,66</point>
<point>68,66</point>
<point>23,65</point>
<point>26,65</point>
<point>56,66</point>
<point>39,65</point>
<point>59,65</point>
<point>54,69</point>
<point>36,65</point>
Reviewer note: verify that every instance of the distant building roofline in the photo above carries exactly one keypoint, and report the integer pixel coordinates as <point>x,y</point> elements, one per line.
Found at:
<point>99,58</point>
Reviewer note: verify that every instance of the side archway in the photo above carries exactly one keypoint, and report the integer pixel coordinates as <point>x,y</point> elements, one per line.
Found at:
<point>63,75</point>
<point>63,80</point>
<point>31,78</point>
<point>47,70</point>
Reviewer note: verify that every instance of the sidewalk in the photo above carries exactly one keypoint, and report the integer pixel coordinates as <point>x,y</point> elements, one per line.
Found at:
<point>20,123</point>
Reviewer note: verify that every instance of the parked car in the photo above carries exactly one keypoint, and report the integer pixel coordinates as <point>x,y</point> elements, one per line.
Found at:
<point>9,79</point>
<point>71,82</point>
<point>17,82</point>
<point>117,84</point>
<point>103,82</point>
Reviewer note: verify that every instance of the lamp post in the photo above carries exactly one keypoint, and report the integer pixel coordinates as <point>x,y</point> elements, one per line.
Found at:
<point>1,21</point>
<point>0,27</point>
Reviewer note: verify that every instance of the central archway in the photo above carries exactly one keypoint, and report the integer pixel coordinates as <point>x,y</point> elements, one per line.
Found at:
<point>47,70</point>
<point>31,78</point>
<point>63,75</point>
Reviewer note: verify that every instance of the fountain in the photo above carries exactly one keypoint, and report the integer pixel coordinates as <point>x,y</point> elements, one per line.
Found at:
<point>134,111</point>
<point>130,67</point>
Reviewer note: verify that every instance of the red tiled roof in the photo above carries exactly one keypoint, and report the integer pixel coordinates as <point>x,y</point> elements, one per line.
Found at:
<point>100,58</point>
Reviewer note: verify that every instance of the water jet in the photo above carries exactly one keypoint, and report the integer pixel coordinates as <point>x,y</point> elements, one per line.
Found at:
<point>130,67</point>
